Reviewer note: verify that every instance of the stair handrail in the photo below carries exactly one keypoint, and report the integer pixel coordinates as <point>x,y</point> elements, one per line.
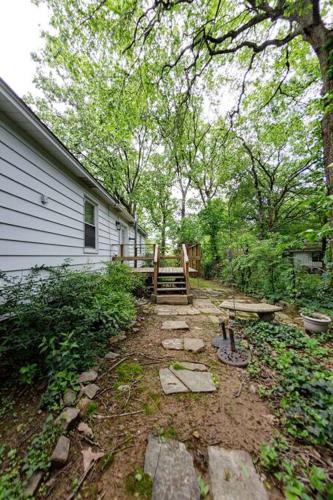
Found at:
<point>185,264</point>
<point>156,266</point>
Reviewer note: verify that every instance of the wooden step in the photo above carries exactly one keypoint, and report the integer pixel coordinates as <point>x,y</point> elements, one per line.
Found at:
<point>172,299</point>
<point>173,289</point>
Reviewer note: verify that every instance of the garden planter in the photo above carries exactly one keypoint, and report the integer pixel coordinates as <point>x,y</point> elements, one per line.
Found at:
<point>317,323</point>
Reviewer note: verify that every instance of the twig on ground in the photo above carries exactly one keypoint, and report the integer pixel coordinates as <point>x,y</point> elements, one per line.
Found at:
<point>81,481</point>
<point>101,417</point>
<point>239,391</point>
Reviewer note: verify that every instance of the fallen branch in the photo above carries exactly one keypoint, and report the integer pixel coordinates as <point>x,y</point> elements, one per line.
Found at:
<point>81,481</point>
<point>101,417</point>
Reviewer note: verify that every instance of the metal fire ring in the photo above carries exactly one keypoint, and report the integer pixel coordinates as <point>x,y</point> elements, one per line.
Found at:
<point>239,358</point>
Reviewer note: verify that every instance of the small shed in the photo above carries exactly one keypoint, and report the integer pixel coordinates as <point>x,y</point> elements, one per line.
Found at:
<point>310,258</point>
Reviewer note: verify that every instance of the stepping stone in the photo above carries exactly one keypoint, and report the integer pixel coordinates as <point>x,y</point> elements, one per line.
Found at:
<point>61,451</point>
<point>194,345</point>
<point>233,476</point>
<point>67,417</point>
<point>171,468</point>
<point>165,310</point>
<point>199,367</point>
<point>214,319</point>
<point>195,381</point>
<point>69,397</point>
<point>89,376</point>
<point>111,355</point>
<point>90,390</point>
<point>171,384</point>
<point>177,344</point>
<point>175,325</point>
<point>205,306</point>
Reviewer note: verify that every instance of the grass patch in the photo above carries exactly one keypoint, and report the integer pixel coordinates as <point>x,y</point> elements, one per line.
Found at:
<point>167,433</point>
<point>127,373</point>
<point>139,484</point>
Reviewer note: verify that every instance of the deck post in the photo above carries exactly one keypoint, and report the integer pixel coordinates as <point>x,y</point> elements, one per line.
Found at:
<point>135,255</point>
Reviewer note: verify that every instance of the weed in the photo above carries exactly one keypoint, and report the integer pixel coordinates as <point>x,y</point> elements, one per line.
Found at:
<point>139,484</point>
<point>92,407</point>
<point>128,372</point>
<point>167,433</point>
<point>107,460</point>
<point>203,487</point>
<point>177,366</point>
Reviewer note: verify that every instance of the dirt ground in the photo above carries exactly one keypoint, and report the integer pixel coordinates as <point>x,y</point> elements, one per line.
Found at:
<point>232,417</point>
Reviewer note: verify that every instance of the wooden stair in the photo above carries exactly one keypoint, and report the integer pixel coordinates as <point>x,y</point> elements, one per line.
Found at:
<point>171,285</point>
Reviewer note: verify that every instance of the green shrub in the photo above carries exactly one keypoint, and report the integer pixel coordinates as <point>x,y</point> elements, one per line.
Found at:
<point>57,326</point>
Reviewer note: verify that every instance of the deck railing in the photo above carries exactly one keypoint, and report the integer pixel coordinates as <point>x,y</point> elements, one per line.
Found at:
<point>186,267</point>
<point>143,255</point>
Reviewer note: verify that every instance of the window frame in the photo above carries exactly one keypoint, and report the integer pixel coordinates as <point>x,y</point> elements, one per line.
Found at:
<point>92,250</point>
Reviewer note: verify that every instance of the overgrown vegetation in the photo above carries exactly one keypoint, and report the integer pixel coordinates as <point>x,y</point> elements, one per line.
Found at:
<point>299,383</point>
<point>16,469</point>
<point>56,327</point>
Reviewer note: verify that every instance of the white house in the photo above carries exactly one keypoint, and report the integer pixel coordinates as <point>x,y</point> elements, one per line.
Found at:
<point>51,207</point>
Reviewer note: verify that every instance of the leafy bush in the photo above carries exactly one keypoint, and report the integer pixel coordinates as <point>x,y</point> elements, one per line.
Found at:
<point>58,325</point>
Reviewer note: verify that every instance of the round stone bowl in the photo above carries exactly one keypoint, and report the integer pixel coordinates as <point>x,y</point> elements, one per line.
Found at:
<point>317,323</point>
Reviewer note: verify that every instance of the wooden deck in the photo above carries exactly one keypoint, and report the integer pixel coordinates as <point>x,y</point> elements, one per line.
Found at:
<point>162,270</point>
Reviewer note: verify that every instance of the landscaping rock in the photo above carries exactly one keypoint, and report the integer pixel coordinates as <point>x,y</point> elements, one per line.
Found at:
<point>177,344</point>
<point>193,345</point>
<point>195,381</point>
<point>83,405</point>
<point>170,383</point>
<point>33,484</point>
<point>135,329</point>
<point>84,428</point>
<point>111,355</point>
<point>90,390</point>
<point>168,310</point>
<point>61,451</point>
<point>233,476</point>
<point>69,397</point>
<point>67,417</point>
<point>171,468</point>
<point>175,325</point>
<point>117,338</point>
<point>199,367</point>
<point>89,376</point>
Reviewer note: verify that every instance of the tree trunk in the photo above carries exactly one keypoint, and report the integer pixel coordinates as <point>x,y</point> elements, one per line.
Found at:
<point>321,40</point>
<point>163,237</point>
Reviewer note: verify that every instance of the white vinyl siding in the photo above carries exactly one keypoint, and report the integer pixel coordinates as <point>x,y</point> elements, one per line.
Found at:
<point>33,233</point>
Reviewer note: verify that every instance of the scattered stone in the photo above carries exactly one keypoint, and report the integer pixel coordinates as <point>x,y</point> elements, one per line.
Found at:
<point>89,376</point>
<point>69,397</point>
<point>67,417</point>
<point>135,330</point>
<point>175,325</point>
<point>90,390</point>
<point>253,389</point>
<point>196,434</point>
<point>170,383</point>
<point>85,429</point>
<point>33,484</point>
<point>195,381</point>
<point>205,306</point>
<point>61,451</point>
<point>117,338</point>
<point>199,367</point>
<point>193,345</point>
<point>177,344</point>
<point>111,355</point>
<point>171,468</point>
<point>83,405</point>
<point>233,476</point>
<point>123,388</point>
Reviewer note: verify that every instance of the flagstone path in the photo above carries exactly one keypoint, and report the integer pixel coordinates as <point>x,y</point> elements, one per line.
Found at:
<point>191,433</point>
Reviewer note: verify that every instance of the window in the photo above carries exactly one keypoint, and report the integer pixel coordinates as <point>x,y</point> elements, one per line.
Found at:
<point>89,225</point>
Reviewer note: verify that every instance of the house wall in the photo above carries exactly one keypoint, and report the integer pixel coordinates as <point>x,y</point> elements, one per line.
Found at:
<point>305,259</point>
<point>34,234</point>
